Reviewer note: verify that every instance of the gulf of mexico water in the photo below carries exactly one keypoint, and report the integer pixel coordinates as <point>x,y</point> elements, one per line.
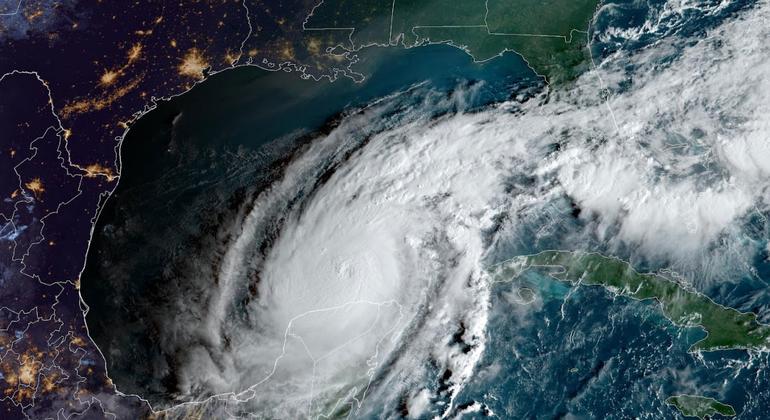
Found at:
<point>191,165</point>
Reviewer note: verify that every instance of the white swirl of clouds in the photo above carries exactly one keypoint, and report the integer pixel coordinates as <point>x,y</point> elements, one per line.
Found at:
<point>369,280</point>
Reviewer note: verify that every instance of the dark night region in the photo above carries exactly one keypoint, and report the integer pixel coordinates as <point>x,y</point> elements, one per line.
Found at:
<point>75,74</point>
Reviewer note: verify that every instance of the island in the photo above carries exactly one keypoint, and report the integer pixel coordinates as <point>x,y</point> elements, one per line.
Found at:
<point>726,328</point>
<point>700,407</point>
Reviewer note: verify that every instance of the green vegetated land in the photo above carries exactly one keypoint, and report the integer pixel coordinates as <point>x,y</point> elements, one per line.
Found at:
<point>549,34</point>
<point>701,407</point>
<point>726,327</point>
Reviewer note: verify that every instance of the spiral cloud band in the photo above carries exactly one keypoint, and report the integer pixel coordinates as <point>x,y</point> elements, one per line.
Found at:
<point>358,280</point>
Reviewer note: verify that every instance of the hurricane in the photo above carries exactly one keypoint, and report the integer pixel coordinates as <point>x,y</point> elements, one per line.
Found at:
<point>359,280</point>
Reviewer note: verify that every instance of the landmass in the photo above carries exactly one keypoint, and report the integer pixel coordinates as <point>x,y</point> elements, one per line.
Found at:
<point>700,407</point>
<point>550,35</point>
<point>74,78</point>
<point>726,328</point>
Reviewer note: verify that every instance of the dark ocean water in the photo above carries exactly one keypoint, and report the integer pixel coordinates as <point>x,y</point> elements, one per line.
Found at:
<point>190,165</point>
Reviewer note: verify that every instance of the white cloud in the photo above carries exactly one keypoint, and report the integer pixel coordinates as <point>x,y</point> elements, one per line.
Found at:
<point>384,262</point>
